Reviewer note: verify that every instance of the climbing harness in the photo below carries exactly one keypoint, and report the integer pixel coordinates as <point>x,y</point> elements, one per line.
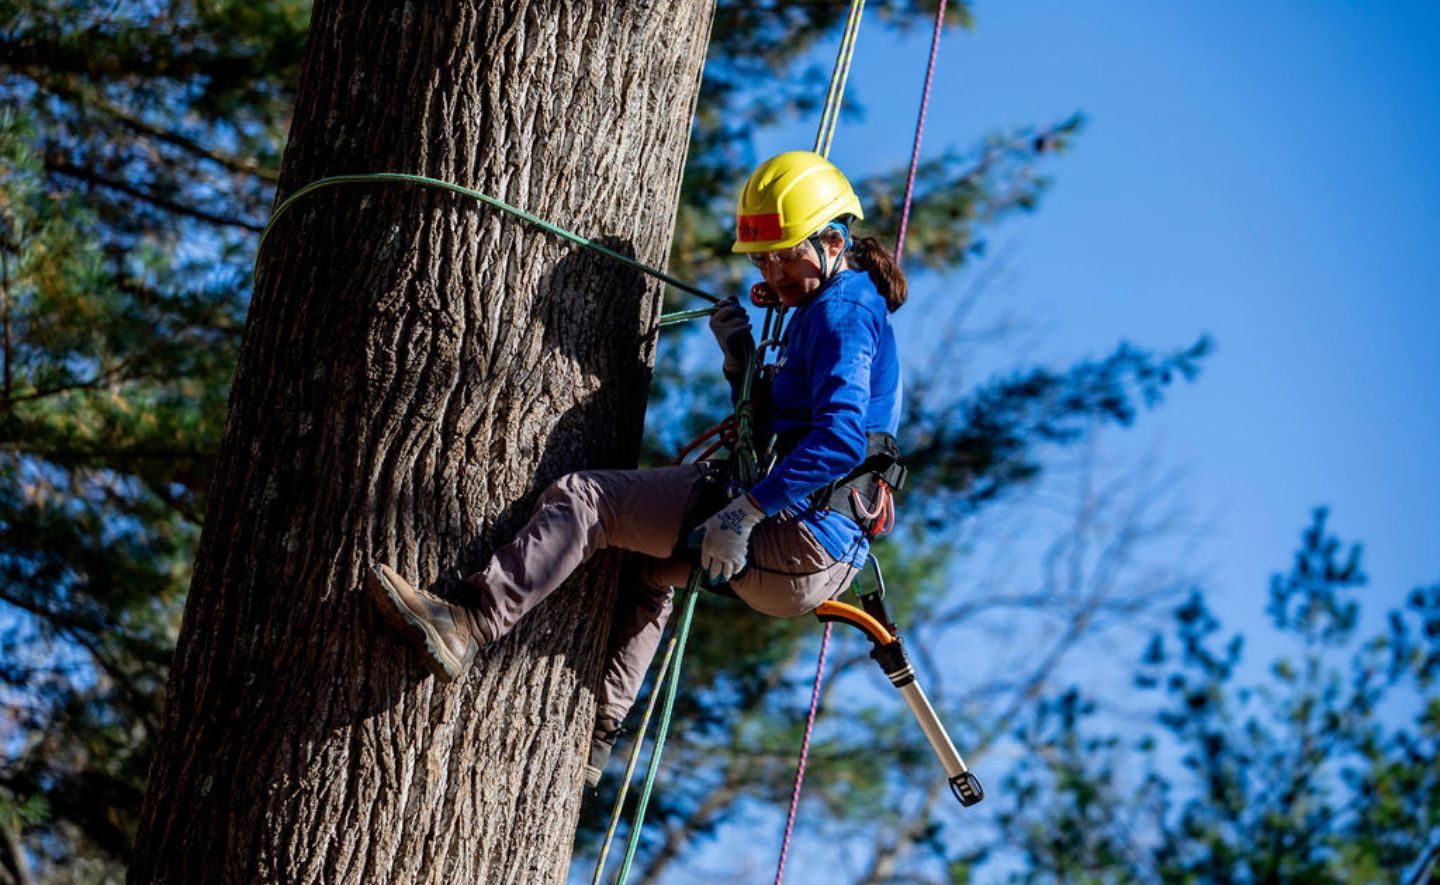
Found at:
<point>873,480</point>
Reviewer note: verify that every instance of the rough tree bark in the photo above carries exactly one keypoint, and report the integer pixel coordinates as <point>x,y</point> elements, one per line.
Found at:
<point>416,367</point>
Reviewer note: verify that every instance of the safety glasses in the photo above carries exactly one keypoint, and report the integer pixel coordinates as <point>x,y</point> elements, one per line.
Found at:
<point>783,256</point>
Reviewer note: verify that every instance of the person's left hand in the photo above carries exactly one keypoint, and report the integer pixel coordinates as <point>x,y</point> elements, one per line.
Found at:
<point>730,325</point>
<point>726,538</point>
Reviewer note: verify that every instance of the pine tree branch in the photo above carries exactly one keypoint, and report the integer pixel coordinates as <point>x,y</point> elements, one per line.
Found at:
<point>81,633</point>
<point>141,126</point>
<point>60,166</point>
<point>678,837</point>
<point>1422,872</point>
<point>100,380</point>
<point>110,454</point>
<point>739,773</point>
<point>15,862</point>
<point>33,56</point>
<point>5,308</point>
<point>234,164</point>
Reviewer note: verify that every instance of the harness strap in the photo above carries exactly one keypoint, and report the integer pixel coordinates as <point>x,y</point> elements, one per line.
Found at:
<point>865,493</point>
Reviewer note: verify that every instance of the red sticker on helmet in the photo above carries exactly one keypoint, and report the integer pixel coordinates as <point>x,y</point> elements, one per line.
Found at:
<point>752,228</point>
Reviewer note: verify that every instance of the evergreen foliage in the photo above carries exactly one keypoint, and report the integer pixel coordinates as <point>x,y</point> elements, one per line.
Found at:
<point>1321,771</point>
<point>135,154</point>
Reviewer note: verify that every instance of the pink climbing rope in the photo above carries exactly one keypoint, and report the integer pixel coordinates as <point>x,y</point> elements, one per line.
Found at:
<point>919,130</point>
<point>804,753</point>
<point>825,641</point>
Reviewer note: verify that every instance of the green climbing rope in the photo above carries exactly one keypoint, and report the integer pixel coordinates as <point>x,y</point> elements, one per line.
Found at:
<point>635,749</point>
<point>692,593</point>
<point>667,680</point>
<point>425,181</point>
<point>839,76</point>
<point>747,462</point>
<point>683,316</point>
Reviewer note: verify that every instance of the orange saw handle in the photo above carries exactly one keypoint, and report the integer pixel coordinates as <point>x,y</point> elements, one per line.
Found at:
<point>889,653</point>
<point>831,611</point>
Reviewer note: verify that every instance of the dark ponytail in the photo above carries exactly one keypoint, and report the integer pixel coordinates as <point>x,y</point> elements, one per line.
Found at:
<point>868,255</point>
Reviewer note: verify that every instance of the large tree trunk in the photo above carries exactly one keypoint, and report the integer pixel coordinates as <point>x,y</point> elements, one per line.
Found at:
<point>416,367</point>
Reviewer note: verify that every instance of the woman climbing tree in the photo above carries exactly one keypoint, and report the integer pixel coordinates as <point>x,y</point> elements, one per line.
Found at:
<point>789,542</point>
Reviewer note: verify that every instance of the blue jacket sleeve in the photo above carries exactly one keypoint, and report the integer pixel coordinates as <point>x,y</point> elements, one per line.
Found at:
<point>840,345</point>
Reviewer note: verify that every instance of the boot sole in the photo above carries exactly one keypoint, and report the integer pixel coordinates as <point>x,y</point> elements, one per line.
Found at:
<point>438,660</point>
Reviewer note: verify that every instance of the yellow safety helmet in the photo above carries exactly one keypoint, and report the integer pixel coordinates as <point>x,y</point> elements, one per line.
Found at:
<point>787,199</point>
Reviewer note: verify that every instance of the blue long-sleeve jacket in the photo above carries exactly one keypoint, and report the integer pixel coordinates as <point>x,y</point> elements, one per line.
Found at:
<point>838,380</point>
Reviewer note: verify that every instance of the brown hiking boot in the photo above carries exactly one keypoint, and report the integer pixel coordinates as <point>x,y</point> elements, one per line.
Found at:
<point>447,636</point>
<point>602,743</point>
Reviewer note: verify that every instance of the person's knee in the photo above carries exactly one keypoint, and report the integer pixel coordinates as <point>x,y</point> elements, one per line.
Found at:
<point>774,595</point>
<point>654,603</point>
<point>570,489</point>
<point>659,576</point>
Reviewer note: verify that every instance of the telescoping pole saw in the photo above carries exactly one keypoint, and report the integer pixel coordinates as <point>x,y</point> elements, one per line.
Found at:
<point>889,653</point>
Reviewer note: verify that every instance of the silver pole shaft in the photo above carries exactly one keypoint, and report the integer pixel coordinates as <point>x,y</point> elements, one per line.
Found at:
<point>934,732</point>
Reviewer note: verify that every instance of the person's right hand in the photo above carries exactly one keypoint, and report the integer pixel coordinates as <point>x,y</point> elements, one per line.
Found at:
<point>725,538</point>
<point>731,326</point>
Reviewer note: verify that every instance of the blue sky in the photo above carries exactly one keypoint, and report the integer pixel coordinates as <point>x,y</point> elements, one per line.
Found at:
<point>1263,173</point>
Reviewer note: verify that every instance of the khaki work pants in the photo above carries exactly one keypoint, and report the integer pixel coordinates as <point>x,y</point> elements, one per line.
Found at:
<point>788,573</point>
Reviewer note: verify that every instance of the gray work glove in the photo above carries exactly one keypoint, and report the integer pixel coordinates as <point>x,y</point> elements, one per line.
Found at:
<point>727,536</point>
<point>731,327</point>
